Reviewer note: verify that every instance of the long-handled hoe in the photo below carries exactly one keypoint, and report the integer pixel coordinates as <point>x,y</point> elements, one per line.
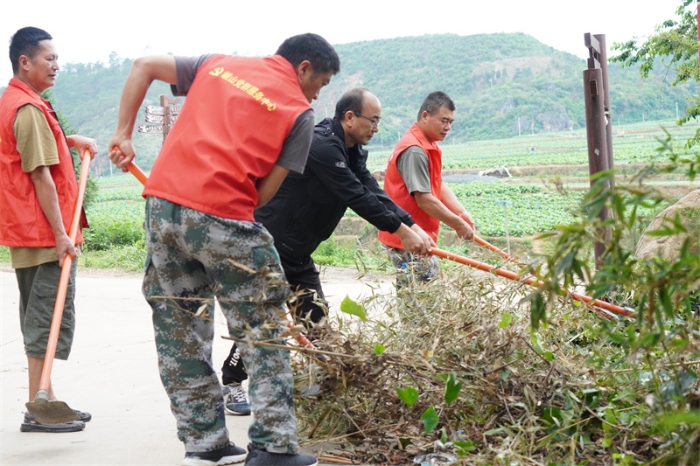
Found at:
<point>53,411</point>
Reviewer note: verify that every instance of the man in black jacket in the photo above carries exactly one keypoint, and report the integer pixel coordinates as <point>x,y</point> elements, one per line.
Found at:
<point>308,207</point>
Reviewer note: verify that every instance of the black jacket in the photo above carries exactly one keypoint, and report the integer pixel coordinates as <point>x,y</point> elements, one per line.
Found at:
<point>308,207</point>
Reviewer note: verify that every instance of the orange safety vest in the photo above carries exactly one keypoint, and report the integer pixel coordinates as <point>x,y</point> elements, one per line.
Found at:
<point>396,188</point>
<point>22,222</point>
<point>229,134</point>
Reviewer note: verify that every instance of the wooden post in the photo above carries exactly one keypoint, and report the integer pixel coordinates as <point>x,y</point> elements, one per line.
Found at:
<point>603,62</point>
<point>166,115</point>
<point>598,122</point>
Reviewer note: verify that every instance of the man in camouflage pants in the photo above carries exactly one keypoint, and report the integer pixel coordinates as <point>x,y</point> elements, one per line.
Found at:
<point>238,263</point>
<point>246,123</point>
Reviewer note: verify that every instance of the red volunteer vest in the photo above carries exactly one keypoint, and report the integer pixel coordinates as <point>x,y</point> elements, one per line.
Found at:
<point>228,135</point>
<point>22,222</point>
<point>396,188</point>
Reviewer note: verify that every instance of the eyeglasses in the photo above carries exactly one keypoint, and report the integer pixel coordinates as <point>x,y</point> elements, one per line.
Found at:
<point>375,121</point>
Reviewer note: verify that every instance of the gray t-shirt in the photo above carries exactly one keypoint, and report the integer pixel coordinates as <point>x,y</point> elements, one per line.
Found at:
<point>296,145</point>
<point>413,167</point>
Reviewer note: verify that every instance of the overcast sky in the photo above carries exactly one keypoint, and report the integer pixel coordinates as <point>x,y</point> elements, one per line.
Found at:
<point>89,30</point>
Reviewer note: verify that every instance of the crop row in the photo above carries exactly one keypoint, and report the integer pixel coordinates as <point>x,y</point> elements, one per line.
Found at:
<point>496,208</point>
<point>119,194</point>
<point>631,145</point>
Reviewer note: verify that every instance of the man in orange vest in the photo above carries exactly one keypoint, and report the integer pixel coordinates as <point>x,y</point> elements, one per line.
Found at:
<point>414,181</point>
<point>245,124</point>
<point>38,191</point>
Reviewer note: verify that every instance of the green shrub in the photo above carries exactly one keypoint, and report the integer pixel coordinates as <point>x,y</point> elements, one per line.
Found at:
<point>330,253</point>
<point>130,258</point>
<point>115,224</point>
<point>650,368</point>
<point>4,254</point>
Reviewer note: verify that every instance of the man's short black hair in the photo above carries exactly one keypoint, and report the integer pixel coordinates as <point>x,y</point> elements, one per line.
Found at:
<point>26,42</point>
<point>312,47</point>
<point>351,101</point>
<point>434,102</point>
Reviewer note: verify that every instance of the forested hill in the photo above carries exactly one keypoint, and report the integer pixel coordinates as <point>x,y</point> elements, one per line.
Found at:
<point>502,84</point>
<point>495,80</point>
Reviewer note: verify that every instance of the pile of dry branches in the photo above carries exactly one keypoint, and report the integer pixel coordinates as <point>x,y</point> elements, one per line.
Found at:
<point>515,383</point>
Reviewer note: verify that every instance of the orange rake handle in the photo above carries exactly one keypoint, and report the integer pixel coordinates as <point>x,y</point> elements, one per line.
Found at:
<point>142,177</point>
<point>516,261</point>
<point>496,250</point>
<point>64,278</point>
<point>530,281</point>
<point>301,338</point>
<point>137,172</point>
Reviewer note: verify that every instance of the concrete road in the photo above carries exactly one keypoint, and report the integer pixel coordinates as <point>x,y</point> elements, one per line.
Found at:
<point>112,373</point>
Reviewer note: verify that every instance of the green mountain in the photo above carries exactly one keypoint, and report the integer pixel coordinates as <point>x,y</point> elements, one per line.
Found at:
<point>502,85</point>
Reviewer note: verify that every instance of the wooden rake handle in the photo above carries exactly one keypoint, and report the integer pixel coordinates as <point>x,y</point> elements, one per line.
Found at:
<point>64,278</point>
<point>530,281</point>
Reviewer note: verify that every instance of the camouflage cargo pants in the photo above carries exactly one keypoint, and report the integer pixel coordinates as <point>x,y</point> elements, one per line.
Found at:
<point>411,269</point>
<point>194,258</point>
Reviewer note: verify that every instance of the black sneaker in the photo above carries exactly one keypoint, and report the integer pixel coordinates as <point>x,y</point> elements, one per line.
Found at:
<point>229,454</point>
<point>32,425</point>
<point>260,457</point>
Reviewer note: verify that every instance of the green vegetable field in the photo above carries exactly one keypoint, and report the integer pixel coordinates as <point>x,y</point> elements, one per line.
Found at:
<point>635,143</point>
